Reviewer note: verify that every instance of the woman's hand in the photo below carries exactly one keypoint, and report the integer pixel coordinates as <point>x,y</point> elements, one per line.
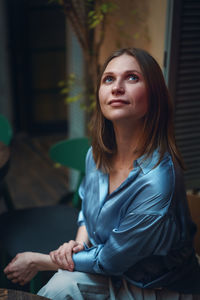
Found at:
<point>22,268</point>
<point>63,255</point>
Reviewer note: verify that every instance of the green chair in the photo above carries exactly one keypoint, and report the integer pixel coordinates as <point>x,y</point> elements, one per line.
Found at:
<point>6,132</point>
<point>71,153</point>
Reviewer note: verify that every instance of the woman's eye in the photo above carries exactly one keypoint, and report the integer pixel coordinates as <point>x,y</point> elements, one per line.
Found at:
<point>133,77</point>
<point>108,79</point>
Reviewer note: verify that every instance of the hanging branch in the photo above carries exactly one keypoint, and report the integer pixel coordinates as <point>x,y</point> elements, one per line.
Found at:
<point>72,11</point>
<point>86,17</point>
<point>89,19</point>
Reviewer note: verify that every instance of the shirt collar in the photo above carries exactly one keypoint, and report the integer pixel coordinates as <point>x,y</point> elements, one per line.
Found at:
<point>147,164</point>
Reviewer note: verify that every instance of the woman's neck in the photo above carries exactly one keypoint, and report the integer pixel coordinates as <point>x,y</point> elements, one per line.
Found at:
<point>127,141</point>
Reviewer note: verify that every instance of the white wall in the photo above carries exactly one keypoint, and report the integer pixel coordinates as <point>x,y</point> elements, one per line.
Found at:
<point>75,64</point>
<point>76,115</point>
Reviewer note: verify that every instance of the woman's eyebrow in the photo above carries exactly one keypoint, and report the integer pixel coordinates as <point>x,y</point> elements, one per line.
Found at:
<point>126,72</point>
<point>133,71</point>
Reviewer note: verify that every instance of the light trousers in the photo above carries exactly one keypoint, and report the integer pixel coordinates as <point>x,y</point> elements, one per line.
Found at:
<point>84,286</point>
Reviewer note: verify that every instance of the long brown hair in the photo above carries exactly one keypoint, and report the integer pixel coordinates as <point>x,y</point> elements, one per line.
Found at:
<point>158,131</point>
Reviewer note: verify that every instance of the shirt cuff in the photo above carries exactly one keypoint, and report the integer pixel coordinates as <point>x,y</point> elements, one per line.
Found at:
<point>86,260</point>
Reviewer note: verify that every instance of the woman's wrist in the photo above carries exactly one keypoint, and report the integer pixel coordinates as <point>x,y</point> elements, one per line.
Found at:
<point>43,262</point>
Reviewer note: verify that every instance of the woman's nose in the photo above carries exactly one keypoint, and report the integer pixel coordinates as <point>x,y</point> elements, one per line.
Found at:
<point>118,90</point>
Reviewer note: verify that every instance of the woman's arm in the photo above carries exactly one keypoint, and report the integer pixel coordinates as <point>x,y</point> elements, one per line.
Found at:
<point>24,266</point>
<point>82,235</point>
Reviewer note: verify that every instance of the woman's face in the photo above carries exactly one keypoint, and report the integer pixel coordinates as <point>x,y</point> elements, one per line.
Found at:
<point>122,92</point>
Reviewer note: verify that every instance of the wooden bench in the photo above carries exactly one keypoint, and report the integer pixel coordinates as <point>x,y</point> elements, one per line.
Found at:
<point>18,295</point>
<point>194,205</point>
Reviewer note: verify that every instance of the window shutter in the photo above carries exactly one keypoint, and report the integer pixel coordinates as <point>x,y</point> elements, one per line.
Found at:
<point>186,87</point>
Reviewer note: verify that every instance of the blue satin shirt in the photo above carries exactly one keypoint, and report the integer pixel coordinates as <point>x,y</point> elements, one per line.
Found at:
<point>142,231</point>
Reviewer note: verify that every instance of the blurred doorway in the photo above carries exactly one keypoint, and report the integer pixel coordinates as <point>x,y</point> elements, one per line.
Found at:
<point>38,60</point>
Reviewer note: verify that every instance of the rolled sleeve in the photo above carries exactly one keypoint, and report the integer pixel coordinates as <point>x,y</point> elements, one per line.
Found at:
<point>87,260</point>
<point>150,235</point>
<point>127,245</point>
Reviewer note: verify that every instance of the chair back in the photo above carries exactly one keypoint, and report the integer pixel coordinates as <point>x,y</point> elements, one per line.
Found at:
<point>6,132</point>
<point>71,153</point>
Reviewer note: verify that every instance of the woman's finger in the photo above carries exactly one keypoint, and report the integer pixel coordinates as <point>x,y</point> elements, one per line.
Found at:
<point>55,255</point>
<point>10,276</point>
<point>59,256</point>
<point>65,262</point>
<point>7,269</point>
<point>63,255</point>
<point>78,248</point>
<point>58,259</point>
<point>14,281</point>
<point>68,255</point>
<point>52,255</point>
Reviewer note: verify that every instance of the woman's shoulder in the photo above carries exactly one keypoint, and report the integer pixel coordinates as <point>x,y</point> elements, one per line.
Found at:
<point>165,174</point>
<point>168,172</point>
<point>158,182</point>
<point>90,164</point>
<point>163,170</point>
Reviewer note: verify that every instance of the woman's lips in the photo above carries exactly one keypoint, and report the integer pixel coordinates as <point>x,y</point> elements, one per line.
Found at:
<point>118,102</point>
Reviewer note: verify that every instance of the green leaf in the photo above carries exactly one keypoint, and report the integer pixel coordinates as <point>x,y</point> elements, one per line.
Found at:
<point>91,97</point>
<point>57,165</point>
<point>95,23</point>
<point>64,91</point>
<point>72,99</point>
<point>136,35</point>
<point>91,13</point>
<point>108,7</point>
<point>104,8</point>
<point>120,23</point>
<point>61,83</point>
<point>88,108</point>
<point>134,11</point>
<point>72,76</point>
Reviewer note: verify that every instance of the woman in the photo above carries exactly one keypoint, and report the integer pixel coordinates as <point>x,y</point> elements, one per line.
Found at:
<point>135,236</point>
